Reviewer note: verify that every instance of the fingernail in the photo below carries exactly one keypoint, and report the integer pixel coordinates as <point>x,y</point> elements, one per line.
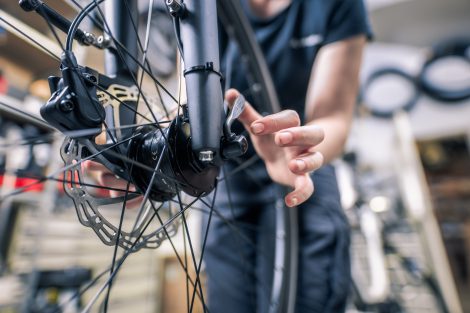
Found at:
<point>294,201</point>
<point>300,164</point>
<point>257,128</point>
<point>285,137</point>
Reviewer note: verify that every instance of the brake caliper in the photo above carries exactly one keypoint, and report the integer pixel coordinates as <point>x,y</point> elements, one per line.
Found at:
<point>74,103</point>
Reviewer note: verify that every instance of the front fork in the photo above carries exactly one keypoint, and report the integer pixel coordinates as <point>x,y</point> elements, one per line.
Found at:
<point>198,30</point>
<point>200,42</point>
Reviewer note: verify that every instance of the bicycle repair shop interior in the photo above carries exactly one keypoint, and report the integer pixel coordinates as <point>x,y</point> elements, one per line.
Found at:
<point>404,178</point>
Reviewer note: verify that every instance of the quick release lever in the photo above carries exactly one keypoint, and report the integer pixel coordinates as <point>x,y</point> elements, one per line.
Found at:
<point>234,145</point>
<point>233,114</point>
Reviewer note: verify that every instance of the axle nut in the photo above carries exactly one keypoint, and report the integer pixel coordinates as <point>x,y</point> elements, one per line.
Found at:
<point>206,156</point>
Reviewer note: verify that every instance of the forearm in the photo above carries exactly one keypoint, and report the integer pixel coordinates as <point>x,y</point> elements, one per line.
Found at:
<point>336,128</point>
<point>331,99</point>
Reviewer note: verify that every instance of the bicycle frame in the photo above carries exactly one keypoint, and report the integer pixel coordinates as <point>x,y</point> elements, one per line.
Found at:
<point>199,40</point>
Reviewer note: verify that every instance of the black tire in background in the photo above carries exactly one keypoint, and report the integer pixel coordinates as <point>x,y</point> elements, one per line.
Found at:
<point>377,108</point>
<point>450,48</point>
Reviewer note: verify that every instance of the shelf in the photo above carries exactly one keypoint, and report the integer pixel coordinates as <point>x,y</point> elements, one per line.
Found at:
<point>32,18</point>
<point>17,48</point>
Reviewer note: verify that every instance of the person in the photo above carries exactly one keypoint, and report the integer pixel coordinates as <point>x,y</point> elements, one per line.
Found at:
<point>313,49</point>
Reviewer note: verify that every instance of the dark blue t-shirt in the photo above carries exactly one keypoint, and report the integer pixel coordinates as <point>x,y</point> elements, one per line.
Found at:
<point>291,39</point>
<point>290,42</point>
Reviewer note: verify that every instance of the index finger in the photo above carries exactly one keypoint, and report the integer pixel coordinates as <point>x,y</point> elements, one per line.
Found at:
<point>275,122</point>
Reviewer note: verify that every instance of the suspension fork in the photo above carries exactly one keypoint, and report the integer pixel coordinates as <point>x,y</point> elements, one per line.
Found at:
<point>200,44</point>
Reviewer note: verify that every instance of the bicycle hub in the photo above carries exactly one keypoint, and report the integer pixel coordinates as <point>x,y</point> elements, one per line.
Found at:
<point>170,164</point>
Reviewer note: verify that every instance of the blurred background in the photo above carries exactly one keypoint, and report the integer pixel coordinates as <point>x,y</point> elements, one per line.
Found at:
<point>405,175</point>
<point>411,139</point>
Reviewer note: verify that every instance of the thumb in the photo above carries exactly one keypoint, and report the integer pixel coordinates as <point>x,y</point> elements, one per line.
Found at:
<point>249,114</point>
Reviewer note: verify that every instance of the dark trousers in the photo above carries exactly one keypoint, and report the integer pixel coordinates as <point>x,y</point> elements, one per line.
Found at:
<point>239,251</point>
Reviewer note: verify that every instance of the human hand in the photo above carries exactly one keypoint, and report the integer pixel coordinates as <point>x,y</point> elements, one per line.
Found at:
<point>104,177</point>
<point>287,149</point>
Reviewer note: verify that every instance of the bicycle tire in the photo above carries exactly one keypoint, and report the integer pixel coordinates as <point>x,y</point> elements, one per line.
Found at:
<point>285,272</point>
<point>287,218</point>
<point>376,109</point>
<point>449,48</point>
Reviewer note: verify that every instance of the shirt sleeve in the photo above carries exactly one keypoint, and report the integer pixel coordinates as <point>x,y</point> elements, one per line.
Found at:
<point>347,18</point>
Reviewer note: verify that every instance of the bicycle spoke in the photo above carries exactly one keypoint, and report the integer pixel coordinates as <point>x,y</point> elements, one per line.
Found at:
<point>81,292</point>
<point>237,231</point>
<point>130,250</point>
<point>144,57</point>
<point>184,265</point>
<point>185,244</point>
<point>113,263</point>
<point>123,49</point>
<point>145,47</point>
<point>191,248</point>
<point>48,138</point>
<point>125,63</point>
<point>150,101</point>
<point>110,279</point>
<point>48,51</point>
<point>65,168</point>
<point>147,192</point>
<point>242,166</point>
<point>198,268</point>
<point>62,180</point>
<point>92,18</point>
<point>235,224</point>
<point>149,73</point>
<point>131,74</point>
<point>125,104</point>
<point>142,166</point>
<point>56,36</point>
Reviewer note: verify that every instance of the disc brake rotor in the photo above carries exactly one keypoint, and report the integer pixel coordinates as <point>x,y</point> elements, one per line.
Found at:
<point>93,210</point>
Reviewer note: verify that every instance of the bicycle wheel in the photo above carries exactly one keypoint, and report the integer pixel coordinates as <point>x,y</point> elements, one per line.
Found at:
<point>164,191</point>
